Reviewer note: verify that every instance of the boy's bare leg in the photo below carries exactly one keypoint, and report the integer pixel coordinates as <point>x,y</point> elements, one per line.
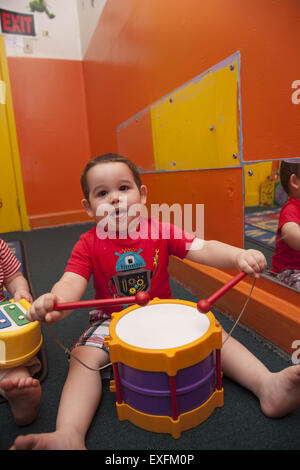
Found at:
<point>79,401</point>
<point>278,393</point>
<point>23,394</point>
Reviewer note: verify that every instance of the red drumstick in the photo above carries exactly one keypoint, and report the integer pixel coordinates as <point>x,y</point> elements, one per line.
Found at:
<point>204,305</point>
<point>141,298</point>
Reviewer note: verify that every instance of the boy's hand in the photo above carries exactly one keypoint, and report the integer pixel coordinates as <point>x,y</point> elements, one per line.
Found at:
<point>252,262</point>
<point>42,309</point>
<point>22,294</point>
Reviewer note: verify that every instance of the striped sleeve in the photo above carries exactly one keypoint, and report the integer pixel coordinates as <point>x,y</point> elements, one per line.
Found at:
<point>10,264</point>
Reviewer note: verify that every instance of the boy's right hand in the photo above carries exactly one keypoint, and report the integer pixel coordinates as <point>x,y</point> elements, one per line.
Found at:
<point>42,309</point>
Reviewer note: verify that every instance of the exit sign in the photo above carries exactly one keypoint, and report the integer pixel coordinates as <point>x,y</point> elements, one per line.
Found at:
<point>17,23</point>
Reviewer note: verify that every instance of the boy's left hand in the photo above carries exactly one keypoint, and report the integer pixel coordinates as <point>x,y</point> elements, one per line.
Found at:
<point>251,262</point>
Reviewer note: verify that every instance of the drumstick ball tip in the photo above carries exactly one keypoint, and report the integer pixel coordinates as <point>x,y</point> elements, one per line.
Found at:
<point>142,298</point>
<point>203,306</point>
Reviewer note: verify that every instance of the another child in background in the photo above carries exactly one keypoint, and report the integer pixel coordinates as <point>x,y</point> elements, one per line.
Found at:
<point>17,384</point>
<point>111,184</point>
<point>286,259</point>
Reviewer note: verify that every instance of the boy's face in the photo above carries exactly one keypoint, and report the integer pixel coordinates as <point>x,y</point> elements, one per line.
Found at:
<point>113,191</point>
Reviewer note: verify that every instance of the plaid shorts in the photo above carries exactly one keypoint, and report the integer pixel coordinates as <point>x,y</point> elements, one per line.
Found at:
<point>291,277</point>
<point>98,329</point>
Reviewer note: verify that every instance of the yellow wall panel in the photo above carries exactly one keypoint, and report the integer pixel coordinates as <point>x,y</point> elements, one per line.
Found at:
<point>9,214</point>
<point>258,173</point>
<point>13,215</point>
<point>196,126</point>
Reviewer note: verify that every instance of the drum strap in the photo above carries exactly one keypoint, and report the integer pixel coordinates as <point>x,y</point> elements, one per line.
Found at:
<point>240,315</point>
<point>69,354</point>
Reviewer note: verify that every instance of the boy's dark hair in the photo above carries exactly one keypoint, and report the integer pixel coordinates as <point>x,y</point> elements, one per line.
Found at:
<point>286,171</point>
<point>108,158</point>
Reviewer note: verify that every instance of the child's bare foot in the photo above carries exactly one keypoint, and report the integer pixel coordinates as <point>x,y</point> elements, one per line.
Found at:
<point>23,395</point>
<point>280,393</point>
<point>57,440</point>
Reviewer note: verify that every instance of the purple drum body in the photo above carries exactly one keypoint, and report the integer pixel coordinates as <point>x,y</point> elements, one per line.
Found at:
<point>149,392</point>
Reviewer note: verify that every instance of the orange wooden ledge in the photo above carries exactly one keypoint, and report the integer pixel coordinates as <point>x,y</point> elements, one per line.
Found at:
<point>273,310</point>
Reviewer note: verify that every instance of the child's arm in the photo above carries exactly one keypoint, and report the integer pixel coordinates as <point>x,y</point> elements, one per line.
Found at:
<point>290,232</point>
<point>18,287</point>
<point>69,288</point>
<point>221,255</point>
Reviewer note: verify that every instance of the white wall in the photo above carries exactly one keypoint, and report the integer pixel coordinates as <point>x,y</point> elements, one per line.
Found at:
<point>66,36</point>
<point>89,12</point>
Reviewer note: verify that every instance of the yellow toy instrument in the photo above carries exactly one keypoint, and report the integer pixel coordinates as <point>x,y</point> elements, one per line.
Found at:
<point>20,340</point>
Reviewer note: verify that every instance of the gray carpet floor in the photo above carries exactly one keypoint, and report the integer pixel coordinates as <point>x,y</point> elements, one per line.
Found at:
<point>239,425</point>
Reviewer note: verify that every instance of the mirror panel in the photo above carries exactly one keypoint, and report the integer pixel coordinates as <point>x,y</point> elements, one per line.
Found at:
<point>263,199</point>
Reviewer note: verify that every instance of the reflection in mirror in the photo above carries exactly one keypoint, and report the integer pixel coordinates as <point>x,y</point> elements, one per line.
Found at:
<point>264,200</point>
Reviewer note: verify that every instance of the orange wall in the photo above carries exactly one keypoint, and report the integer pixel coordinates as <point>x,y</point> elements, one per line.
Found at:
<point>67,111</point>
<point>143,50</point>
<point>50,115</point>
<point>220,191</point>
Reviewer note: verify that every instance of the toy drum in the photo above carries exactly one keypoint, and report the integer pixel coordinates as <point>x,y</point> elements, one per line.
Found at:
<point>20,340</point>
<point>167,365</point>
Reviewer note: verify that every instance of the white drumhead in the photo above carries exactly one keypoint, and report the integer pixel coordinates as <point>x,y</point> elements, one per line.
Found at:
<point>162,326</point>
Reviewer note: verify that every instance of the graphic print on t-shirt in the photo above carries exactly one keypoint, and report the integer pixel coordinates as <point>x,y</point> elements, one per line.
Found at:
<point>132,275</point>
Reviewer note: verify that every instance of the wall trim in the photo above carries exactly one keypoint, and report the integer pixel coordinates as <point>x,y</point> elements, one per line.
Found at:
<point>58,218</point>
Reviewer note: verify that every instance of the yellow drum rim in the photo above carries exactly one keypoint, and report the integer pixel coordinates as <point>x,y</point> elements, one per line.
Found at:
<point>163,360</point>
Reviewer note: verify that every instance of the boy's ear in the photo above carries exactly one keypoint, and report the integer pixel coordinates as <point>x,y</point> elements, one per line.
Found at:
<point>86,205</point>
<point>143,193</point>
<point>294,181</point>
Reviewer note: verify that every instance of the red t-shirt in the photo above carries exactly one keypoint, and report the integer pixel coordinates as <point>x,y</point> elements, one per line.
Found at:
<point>286,257</point>
<point>9,265</point>
<point>123,267</point>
